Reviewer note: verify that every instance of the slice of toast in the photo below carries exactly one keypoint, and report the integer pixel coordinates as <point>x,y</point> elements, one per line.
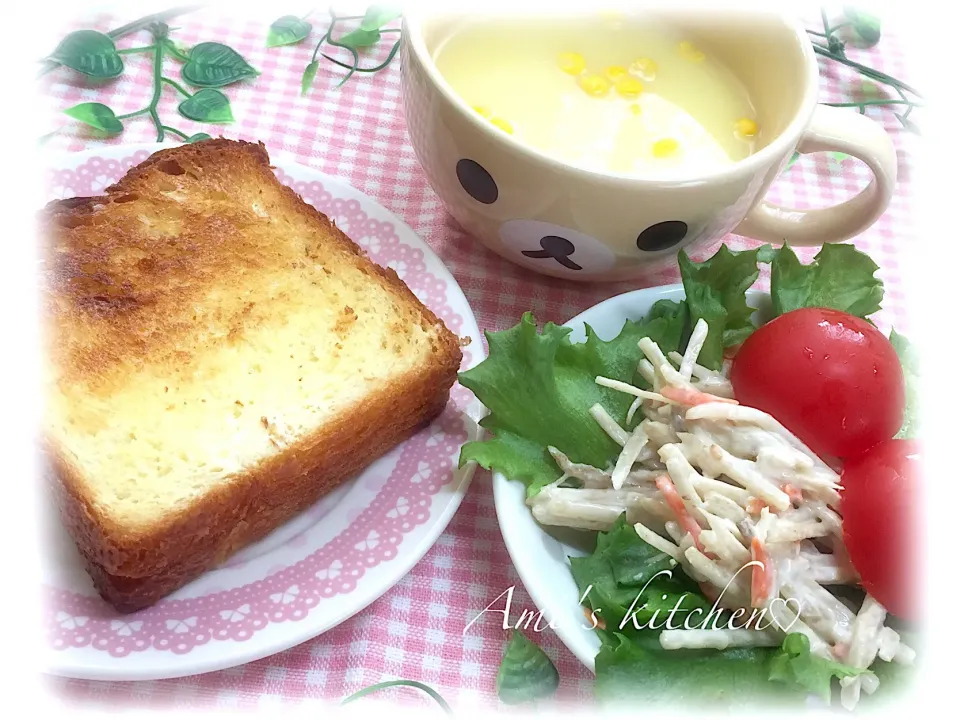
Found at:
<point>218,356</point>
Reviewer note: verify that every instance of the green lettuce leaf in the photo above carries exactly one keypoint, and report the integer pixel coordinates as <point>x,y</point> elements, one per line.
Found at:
<point>526,672</point>
<point>668,325</point>
<point>910,361</point>
<point>631,669</point>
<point>795,665</point>
<point>628,672</point>
<point>840,277</point>
<point>539,388</point>
<point>630,585</point>
<point>716,290</point>
<point>633,561</point>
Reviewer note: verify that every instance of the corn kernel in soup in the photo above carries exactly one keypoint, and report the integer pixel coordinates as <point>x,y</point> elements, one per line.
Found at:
<point>636,97</point>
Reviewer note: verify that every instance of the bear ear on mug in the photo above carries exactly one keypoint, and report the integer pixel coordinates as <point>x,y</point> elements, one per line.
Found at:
<point>538,243</point>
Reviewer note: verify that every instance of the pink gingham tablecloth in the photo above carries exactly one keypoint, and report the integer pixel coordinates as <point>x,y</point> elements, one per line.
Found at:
<point>416,630</point>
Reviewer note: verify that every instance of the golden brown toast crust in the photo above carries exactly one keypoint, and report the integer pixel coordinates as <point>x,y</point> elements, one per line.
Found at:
<point>108,275</point>
<point>100,311</point>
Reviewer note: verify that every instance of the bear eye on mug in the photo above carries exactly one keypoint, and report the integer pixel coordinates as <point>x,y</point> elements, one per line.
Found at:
<point>662,235</point>
<point>477,182</point>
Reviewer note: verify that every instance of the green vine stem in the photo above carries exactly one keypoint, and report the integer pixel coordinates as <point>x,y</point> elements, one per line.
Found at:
<point>334,19</point>
<point>834,49</point>
<point>174,131</point>
<point>135,26</point>
<point>353,51</point>
<point>328,38</point>
<point>173,50</point>
<point>132,114</point>
<point>381,66</point>
<point>399,683</point>
<point>864,70</point>
<point>160,47</point>
<point>157,84</point>
<point>291,30</point>
<point>176,86</point>
<point>863,103</point>
<point>207,67</point>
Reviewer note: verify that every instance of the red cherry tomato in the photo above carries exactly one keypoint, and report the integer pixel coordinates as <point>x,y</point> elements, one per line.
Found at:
<point>832,379</point>
<point>879,503</point>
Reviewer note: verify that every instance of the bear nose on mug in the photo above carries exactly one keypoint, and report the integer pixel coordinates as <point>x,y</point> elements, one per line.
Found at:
<point>556,247</point>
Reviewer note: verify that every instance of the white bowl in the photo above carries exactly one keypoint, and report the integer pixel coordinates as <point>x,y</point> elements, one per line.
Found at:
<point>540,553</point>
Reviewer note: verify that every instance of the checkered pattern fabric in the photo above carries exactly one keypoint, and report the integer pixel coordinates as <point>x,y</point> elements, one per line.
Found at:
<point>357,132</point>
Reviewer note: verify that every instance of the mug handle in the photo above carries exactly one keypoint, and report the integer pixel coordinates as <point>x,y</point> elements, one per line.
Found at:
<point>832,129</point>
